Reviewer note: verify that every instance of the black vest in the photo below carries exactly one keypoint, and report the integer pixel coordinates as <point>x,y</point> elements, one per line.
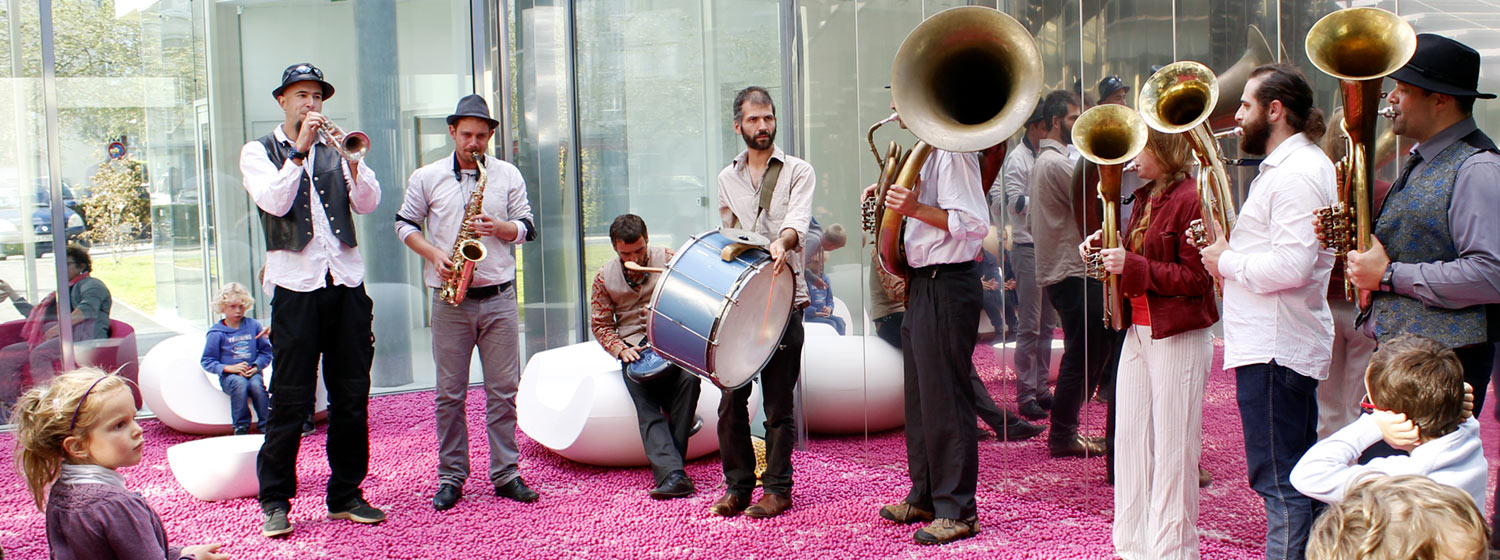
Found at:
<point>294,230</point>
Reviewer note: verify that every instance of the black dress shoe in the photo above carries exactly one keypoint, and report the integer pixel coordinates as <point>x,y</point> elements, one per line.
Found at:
<point>1019,430</point>
<point>677,485</point>
<point>447,496</point>
<point>1031,410</point>
<point>517,490</point>
<point>1044,400</point>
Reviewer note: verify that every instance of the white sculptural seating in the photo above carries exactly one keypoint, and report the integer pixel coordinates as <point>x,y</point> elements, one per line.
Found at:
<point>217,468</point>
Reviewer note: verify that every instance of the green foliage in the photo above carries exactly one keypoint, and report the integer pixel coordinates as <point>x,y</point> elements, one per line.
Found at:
<point>117,207</point>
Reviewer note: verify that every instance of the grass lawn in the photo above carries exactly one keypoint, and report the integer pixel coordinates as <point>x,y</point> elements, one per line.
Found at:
<point>132,280</point>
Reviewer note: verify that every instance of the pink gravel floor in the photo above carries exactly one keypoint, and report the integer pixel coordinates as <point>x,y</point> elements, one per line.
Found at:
<point>1030,506</point>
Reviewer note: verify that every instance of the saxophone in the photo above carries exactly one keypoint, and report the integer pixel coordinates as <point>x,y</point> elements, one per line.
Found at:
<point>467,250</point>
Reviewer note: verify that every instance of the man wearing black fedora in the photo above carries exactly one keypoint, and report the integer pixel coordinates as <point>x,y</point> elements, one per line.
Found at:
<point>307,193</point>
<point>432,213</point>
<point>1434,264</point>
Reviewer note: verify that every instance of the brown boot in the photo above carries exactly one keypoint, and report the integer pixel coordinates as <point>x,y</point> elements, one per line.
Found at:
<point>730,505</point>
<point>905,513</point>
<point>770,505</point>
<point>944,530</point>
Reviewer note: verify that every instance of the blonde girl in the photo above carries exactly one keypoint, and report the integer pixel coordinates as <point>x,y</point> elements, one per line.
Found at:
<point>71,437</point>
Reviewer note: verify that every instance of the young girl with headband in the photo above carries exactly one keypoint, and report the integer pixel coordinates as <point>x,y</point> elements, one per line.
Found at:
<point>72,436</point>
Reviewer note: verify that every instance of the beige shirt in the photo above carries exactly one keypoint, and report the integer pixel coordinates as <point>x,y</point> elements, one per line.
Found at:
<point>791,205</point>
<point>1053,229</point>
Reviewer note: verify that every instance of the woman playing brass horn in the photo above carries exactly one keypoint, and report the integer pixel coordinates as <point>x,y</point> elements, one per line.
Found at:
<point>1165,361</point>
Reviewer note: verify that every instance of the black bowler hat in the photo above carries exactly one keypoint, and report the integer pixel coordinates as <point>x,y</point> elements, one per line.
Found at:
<point>1443,65</point>
<point>1110,84</point>
<point>473,105</point>
<point>302,72</point>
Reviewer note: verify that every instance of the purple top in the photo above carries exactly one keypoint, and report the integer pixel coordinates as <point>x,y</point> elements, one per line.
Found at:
<point>91,516</point>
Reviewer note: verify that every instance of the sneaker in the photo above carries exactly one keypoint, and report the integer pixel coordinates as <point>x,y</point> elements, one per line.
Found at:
<point>241,431</point>
<point>944,530</point>
<point>308,428</point>
<point>358,511</point>
<point>274,524</point>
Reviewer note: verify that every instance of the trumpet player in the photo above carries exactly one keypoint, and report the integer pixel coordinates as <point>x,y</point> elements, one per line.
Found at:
<point>307,193</point>
<point>1278,331</point>
<point>438,212</point>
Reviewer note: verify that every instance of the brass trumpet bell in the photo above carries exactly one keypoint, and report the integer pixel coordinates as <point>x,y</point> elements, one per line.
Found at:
<point>1109,134</point>
<point>966,78</point>
<point>1360,43</point>
<point>1178,97</point>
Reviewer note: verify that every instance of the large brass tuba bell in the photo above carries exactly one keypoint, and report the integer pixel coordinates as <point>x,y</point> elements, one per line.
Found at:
<point>1177,100</point>
<point>1359,46</point>
<point>1110,135</point>
<point>964,80</point>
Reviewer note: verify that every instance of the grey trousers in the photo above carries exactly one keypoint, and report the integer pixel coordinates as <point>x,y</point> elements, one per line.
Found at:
<point>1036,317</point>
<point>491,326</point>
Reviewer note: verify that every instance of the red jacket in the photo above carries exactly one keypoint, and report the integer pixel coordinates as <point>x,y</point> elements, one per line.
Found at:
<point>1168,269</point>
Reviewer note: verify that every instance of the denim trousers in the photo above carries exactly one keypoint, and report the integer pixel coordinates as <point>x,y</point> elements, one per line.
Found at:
<point>1279,416</point>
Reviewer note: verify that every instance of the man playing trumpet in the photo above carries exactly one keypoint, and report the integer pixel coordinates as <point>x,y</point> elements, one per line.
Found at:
<point>307,193</point>
<point>431,219</point>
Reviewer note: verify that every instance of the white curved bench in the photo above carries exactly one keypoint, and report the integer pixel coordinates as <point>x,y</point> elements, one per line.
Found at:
<point>217,468</point>
<point>851,384</point>
<point>1006,353</point>
<point>573,401</point>
<point>187,398</point>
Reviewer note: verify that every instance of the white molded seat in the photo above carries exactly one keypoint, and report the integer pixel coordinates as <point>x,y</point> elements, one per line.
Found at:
<point>851,384</point>
<point>217,468</point>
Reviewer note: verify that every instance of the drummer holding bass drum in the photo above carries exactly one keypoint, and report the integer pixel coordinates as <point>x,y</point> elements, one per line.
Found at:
<point>664,395</point>
<point>766,191</point>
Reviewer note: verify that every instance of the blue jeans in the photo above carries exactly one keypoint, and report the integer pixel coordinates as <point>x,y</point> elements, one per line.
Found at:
<point>238,388</point>
<point>1279,416</point>
<point>834,321</point>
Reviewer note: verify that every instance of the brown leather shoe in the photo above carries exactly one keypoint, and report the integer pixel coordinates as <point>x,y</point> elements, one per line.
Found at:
<point>770,505</point>
<point>730,505</point>
<point>1076,446</point>
<point>1205,478</point>
<point>944,530</point>
<point>905,513</point>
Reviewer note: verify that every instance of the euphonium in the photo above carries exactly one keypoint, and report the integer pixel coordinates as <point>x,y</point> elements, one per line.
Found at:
<point>1110,136</point>
<point>351,145</point>
<point>467,249</point>
<point>1177,99</point>
<point>963,80</point>
<point>1359,46</point>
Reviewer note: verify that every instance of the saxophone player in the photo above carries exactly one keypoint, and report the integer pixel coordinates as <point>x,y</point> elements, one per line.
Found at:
<point>446,200</point>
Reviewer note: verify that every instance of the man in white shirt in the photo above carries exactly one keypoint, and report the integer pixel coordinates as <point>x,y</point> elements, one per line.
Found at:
<point>946,226</point>
<point>1278,330</point>
<point>306,193</point>
<point>432,212</point>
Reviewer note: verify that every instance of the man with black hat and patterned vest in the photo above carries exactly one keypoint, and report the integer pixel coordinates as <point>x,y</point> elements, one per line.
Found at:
<point>432,214</point>
<point>1434,261</point>
<point>665,396</point>
<point>307,193</point>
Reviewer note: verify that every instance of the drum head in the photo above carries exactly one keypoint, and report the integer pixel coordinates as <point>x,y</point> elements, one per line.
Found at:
<point>648,367</point>
<point>747,237</point>
<point>750,328</point>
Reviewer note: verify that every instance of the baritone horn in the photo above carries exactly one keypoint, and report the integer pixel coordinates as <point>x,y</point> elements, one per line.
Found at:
<point>1178,99</point>
<point>1110,136</point>
<point>352,146</point>
<point>964,80</point>
<point>1359,46</point>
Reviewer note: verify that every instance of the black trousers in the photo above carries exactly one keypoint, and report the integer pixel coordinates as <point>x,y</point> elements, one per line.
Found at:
<point>1088,346</point>
<point>333,323</point>
<point>778,381</point>
<point>942,449</point>
<point>664,409</point>
<point>888,328</point>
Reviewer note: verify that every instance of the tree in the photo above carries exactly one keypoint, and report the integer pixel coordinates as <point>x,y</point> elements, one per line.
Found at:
<point>117,207</point>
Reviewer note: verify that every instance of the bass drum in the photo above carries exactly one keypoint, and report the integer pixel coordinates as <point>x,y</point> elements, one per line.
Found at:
<point>720,319</point>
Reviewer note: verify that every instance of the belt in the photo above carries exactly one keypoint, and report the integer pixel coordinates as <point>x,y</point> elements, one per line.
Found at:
<point>486,292</point>
<point>934,269</point>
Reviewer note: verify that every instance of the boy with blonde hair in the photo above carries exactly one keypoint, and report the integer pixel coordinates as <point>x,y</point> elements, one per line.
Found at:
<point>237,354</point>
<point>1408,517</point>
<point>1417,394</point>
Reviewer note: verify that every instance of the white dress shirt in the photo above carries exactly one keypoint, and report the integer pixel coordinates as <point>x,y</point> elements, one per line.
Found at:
<point>275,190</point>
<point>438,201</point>
<point>1275,271</point>
<point>951,182</point>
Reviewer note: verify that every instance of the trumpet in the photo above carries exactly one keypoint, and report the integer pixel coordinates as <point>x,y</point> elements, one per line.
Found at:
<point>352,146</point>
<point>1359,46</point>
<point>1109,135</point>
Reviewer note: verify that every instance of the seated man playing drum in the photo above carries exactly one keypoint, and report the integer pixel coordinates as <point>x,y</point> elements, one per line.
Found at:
<point>665,396</point>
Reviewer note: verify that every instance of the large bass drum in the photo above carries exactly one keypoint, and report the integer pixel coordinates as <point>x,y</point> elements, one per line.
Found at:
<point>720,319</point>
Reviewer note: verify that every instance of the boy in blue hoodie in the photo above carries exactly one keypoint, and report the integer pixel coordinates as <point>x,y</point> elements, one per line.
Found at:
<point>238,355</point>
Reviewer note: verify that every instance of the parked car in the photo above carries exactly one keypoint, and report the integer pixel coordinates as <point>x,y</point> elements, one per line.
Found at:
<point>13,239</point>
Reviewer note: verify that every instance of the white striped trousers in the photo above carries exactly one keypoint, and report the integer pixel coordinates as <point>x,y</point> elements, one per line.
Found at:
<point>1158,440</point>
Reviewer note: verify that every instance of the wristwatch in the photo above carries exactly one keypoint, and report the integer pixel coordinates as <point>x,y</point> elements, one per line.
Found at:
<point>296,154</point>
<point>1385,280</point>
